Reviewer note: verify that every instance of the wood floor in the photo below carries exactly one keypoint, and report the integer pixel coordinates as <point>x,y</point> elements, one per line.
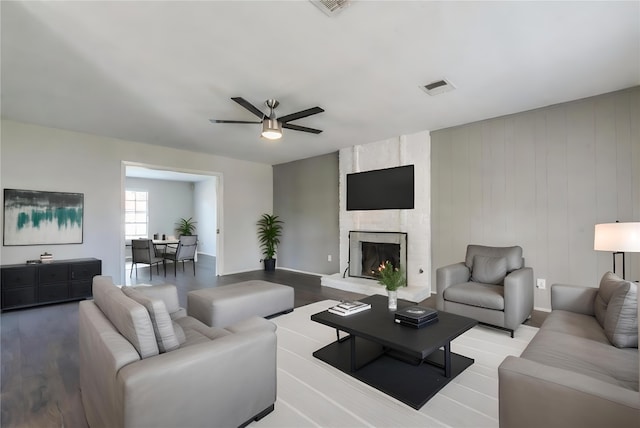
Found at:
<point>39,346</point>
<point>314,394</point>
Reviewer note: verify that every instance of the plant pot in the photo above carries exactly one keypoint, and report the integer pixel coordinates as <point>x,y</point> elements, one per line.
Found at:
<point>269,265</point>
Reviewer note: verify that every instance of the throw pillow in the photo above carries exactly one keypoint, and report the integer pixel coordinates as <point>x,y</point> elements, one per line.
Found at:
<point>621,320</point>
<point>489,270</point>
<point>160,319</point>
<point>608,285</point>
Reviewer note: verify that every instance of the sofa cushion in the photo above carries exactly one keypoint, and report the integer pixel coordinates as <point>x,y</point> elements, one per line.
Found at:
<point>621,320</point>
<point>489,270</point>
<point>576,354</point>
<point>196,332</point>
<point>512,254</point>
<point>160,319</point>
<point>575,324</point>
<point>608,284</point>
<point>165,292</point>
<point>182,337</point>
<point>475,294</point>
<point>129,317</point>
<point>616,310</point>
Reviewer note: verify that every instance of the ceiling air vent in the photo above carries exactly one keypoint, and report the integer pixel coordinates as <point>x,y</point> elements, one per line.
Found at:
<point>438,87</point>
<point>331,7</point>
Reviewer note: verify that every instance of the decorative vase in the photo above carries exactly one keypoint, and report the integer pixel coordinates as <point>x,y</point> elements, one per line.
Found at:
<point>393,299</point>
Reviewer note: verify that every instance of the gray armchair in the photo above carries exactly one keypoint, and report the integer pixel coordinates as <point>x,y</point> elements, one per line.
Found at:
<point>491,285</point>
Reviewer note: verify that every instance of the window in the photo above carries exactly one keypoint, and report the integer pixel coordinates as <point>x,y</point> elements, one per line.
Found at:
<point>136,217</point>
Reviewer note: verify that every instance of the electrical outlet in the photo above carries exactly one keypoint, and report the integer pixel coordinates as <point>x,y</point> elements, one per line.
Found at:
<point>541,283</point>
<point>329,258</point>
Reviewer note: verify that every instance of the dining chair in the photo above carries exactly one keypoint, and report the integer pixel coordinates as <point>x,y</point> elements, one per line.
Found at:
<point>143,252</point>
<point>186,251</point>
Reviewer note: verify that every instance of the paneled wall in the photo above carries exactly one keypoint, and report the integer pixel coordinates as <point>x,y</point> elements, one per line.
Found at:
<point>540,179</point>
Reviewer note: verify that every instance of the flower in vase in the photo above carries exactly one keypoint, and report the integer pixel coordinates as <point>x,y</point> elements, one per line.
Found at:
<point>391,277</point>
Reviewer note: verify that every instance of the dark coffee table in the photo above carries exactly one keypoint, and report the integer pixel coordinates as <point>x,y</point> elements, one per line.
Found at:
<point>409,364</point>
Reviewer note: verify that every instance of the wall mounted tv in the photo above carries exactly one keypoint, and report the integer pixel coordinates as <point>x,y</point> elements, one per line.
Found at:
<point>381,189</point>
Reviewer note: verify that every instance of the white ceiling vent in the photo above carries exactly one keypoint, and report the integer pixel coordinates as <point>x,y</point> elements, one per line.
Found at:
<point>331,7</point>
<point>438,87</point>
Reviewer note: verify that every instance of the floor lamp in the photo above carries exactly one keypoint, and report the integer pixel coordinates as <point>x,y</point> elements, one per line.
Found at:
<point>618,238</point>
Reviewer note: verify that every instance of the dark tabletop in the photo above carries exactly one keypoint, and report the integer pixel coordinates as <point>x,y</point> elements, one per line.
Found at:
<point>377,324</point>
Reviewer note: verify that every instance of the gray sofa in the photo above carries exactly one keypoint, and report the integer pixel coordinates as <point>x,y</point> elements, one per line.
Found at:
<point>145,363</point>
<point>492,286</point>
<point>581,368</point>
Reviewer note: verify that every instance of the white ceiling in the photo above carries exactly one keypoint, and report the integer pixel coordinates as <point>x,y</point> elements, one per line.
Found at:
<point>156,72</point>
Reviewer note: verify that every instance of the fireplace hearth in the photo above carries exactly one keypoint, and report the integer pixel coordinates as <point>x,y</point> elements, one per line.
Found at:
<point>367,250</point>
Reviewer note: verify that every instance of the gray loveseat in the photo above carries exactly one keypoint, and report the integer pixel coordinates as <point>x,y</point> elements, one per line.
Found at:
<point>581,368</point>
<point>145,363</point>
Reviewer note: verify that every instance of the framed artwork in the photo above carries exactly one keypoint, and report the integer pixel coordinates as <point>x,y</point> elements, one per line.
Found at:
<point>32,217</point>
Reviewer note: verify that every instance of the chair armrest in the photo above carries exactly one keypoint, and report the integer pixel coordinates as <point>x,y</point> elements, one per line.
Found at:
<point>446,276</point>
<point>535,395</point>
<point>573,298</point>
<point>219,383</point>
<point>518,297</point>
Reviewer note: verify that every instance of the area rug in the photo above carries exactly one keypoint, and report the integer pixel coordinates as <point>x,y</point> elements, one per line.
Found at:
<point>311,393</point>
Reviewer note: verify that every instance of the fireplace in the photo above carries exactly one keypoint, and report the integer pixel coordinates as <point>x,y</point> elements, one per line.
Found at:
<point>367,250</point>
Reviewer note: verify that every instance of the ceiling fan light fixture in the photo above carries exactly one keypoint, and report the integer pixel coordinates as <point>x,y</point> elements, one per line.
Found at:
<point>271,129</point>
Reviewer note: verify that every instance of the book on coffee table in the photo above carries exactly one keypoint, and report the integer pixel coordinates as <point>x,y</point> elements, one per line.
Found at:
<point>416,315</point>
<point>417,324</point>
<point>349,308</point>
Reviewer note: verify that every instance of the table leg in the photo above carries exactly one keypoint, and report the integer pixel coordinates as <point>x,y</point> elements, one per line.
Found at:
<point>353,353</point>
<point>447,360</point>
<point>341,339</point>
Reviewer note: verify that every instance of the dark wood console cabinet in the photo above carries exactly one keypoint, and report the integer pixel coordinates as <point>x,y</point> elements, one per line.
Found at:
<point>26,285</point>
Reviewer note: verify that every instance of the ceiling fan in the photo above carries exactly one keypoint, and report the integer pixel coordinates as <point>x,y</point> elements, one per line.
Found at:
<point>271,124</point>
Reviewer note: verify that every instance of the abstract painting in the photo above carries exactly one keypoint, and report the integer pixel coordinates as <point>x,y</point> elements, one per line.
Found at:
<point>32,217</point>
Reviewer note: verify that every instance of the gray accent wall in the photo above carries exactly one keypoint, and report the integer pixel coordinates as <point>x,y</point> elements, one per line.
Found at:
<point>540,179</point>
<point>305,197</point>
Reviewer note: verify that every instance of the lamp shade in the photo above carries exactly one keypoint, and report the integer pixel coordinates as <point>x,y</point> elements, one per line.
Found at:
<point>624,237</point>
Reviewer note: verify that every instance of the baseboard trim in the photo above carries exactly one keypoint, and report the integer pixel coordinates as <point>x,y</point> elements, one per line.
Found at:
<point>239,271</point>
<point>301,271</point>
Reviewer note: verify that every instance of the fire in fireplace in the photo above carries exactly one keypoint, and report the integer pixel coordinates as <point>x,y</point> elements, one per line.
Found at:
<point>367,250</point>
<point>375,253</point>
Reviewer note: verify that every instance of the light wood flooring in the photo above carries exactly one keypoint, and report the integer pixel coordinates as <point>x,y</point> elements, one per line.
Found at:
<point>39,346</point>
<point>314,394</point>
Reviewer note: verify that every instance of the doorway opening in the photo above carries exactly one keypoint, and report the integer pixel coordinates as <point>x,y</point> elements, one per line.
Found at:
<point>176,194</point>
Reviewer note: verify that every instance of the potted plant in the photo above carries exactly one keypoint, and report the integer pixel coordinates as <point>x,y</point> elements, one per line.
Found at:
<point>185,226</point>
<point>269,231</point>
<point>392,278</point>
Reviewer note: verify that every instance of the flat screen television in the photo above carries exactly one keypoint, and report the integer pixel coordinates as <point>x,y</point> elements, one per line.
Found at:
<point>381,189</point>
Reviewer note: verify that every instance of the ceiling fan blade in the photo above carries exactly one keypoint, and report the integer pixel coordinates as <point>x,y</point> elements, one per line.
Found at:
<point>246,104</point>
<point>301,128</point>
<point>230,121</point>
<point>300,114</point>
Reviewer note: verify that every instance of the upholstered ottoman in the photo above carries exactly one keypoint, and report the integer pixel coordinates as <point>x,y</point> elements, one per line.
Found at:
<point>228,304</point>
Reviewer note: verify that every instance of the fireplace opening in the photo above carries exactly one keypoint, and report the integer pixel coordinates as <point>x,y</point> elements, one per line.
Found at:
<point>367,250</point>
<point>376,253</point>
